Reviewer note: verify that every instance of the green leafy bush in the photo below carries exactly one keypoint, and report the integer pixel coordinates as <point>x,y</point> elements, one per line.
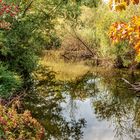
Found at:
<point>26,28</point>
<point>9,82</point>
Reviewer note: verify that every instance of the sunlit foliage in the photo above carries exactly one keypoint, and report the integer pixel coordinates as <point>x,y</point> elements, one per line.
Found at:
<point>120,31</point>
<point>120,5</point>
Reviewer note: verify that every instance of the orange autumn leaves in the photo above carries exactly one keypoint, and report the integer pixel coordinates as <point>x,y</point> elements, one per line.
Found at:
<point>122,31</point>
<point>119,5</point>
<point>15,126</point>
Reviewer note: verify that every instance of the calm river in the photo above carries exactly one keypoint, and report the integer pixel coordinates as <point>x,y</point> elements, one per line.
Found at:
<point>97,106</point>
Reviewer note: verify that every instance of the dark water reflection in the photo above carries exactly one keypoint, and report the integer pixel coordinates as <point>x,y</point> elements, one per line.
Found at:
<point>97,106</point>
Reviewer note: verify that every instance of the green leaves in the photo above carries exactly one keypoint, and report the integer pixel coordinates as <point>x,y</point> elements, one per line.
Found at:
<point>9,82</point>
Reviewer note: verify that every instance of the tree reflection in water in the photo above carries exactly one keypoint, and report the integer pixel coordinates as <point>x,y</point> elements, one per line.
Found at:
<point>119,105</point>
<point>110,98</point>
<point>45,104</point>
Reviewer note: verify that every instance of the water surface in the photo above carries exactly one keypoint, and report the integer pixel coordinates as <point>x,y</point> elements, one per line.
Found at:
<point>97,106</point>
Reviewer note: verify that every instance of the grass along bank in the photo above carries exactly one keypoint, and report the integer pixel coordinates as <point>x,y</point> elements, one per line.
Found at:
<point>65,71</point>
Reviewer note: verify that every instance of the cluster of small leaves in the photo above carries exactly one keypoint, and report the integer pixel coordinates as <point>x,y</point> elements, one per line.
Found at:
<point>121,31</point>
<point>7,11</point>
<point>15,126</point>
<point>18,44</point>
<point>9,82</point>
<point>119,5</point>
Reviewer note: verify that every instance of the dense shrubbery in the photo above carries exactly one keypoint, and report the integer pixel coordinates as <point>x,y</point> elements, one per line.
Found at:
<point>15,126</point>
<point>94,31</point>
<point>9,82</point>
<point>17,50</point>
<point>26,27</point>
<point>22,36</point>
<point>102,22</point>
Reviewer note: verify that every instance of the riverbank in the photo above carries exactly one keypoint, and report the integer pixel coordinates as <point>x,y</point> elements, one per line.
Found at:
<point>64,70</point>
<point>70,70</point>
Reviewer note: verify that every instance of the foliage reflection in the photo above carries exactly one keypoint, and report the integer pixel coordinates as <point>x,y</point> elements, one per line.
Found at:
<point>110,99</point>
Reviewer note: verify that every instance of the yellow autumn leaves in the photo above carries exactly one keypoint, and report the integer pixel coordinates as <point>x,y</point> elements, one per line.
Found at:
<point>120,31</point>
<point>119,5</point>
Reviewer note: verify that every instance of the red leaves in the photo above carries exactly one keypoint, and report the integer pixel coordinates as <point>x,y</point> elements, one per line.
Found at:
<point>8,9</point>
<point>19,126</point>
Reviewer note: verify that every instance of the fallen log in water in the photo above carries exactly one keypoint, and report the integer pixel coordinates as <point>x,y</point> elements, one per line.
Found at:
<point>135,86</point>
